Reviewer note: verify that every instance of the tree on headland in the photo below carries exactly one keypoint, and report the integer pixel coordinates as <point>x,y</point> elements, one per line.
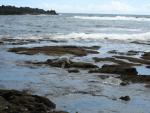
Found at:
<point>12,10</point>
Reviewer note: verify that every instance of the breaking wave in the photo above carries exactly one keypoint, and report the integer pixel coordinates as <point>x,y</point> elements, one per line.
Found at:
<point>113,18</point>
<point>92,36</point>
<point>96,36</point>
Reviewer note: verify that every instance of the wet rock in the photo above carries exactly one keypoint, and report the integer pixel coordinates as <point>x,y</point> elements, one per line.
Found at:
<point>1,43</point>
<point>113,52</point>
<point>96,59</point>
<point>53,50</point>
<point>127,74</point>
<point>124,83</point>
<point>11,41</point>
<point>93,47</point>
<point>135,60</point>
<point>54,41</point>
<point>73,71</point>
<point>117,61</point>
<point>147,66</point>
<point>116,69</point>
<point>146,56</point>
<point>130,53</point>
<point>12,101</point>
<point>66,63</point>
<point>136,78</point>
<point>143,43</point>
<point>147,85</point>
<point>103,76</point>
<point>125,98</point>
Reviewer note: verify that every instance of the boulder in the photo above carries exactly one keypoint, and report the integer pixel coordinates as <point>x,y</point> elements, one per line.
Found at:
<point>125,98</point>
<point>148,66</point>
<point>116,69</point>
<point>66,63</point>
<point>124,83</point>
<point>12,101</point>
<point>73,71</point>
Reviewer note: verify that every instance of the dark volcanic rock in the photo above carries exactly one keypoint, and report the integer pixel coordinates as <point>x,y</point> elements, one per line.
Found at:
<point>130,53</point>
<point>12,101</point>
<point>143,43</point>
<point>146,56</point>
<point>117,61</point>
<point>53,50</point>
<point>147,66</point>
<point>64,63</point>
<point>113,52</point>
<point>73,71</point>
<point>103,76</point>
<point>93,47</point>
<point>135,60</point>
<point>127,74</point>
<point>136,79</point>
<point>124,83</point>
<point>147,85</point>
<point>125,98</point>
<point>11,41</point>
<point>1,43</point>
<point>116,69</point>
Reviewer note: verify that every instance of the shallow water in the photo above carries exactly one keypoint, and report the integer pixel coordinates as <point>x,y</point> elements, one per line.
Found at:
<point>81,92</point>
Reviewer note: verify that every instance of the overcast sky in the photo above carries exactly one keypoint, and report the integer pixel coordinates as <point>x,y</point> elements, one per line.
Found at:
<point>87,6</point>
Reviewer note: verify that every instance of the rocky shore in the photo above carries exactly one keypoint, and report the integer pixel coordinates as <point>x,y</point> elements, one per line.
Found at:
<point>12,101</point>
<point>55,50</point>
<point>70,59</point>
<point>123,63</point>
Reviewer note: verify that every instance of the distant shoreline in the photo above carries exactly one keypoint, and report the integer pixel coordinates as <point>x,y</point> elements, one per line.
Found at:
<point>12,10</point>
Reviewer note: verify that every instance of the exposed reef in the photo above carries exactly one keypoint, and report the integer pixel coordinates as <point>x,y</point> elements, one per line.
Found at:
<point>12,101</point>
<point>54,50</point>
<point>114,60</point>
<point>65,63</point>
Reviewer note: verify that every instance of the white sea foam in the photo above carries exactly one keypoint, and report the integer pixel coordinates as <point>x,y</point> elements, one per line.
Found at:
<point>97,36</point>
<point>92,37</point>
<point>112,18</point>
<point>117,29</point>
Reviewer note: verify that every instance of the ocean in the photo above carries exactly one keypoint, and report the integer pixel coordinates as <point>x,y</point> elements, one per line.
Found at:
<point>121,27</point>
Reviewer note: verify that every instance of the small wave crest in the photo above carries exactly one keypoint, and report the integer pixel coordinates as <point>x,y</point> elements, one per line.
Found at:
<point>125,18</point>
<point>97,36</point>
<point>92,37</point>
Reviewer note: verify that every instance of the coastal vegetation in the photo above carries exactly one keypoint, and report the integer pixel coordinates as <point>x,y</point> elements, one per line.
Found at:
<point>12,10</point>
